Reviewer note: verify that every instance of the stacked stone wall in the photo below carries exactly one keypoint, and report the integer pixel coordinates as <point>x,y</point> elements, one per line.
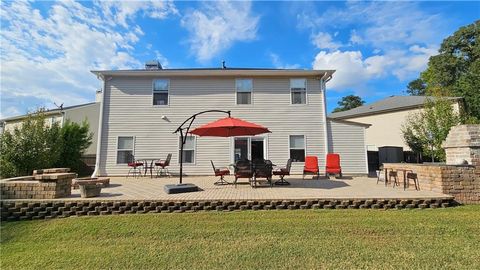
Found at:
<point>44,184</point>
<point>27,210</point>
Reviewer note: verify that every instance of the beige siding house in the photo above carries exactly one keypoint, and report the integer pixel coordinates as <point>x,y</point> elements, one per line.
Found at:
<point>386,118</point>
<point>142,108</point>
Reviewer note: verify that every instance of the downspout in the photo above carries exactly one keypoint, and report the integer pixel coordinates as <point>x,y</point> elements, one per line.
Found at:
<point>100,125</point>
<point>324,99</point>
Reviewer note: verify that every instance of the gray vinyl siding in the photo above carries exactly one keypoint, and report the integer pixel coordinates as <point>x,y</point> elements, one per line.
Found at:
<point>348,140</point>
<point>129,111</point>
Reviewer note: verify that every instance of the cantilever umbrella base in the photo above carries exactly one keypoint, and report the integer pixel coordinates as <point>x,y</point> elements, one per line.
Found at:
<point>180,188</point>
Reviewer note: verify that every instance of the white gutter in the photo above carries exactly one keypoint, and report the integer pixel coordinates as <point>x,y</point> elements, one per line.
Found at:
<point>323,89</point>
<point>203,73</point>
<point>100,125</point>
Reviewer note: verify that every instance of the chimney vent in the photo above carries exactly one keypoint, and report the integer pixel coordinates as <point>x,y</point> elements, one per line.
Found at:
<point>153,65</point>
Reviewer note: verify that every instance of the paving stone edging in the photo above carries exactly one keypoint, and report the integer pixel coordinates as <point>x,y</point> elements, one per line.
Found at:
<point>32,210</point>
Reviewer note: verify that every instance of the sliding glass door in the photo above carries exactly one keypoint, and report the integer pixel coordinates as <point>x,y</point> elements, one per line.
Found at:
<point>250,148</point>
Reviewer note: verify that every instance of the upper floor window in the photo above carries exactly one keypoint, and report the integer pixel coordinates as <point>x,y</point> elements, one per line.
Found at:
<point>244,89</point>
<point>160,92</point>
<point>298,88</point>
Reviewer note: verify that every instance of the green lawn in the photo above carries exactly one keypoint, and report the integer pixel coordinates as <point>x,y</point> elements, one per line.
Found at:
<point>426,239</point>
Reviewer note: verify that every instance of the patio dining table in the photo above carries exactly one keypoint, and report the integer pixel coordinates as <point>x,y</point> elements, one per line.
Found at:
<point>148,164</point>
<point>386,168</point>
<point>233,165</point>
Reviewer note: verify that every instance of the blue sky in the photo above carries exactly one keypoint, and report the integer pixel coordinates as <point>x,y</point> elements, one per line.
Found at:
<point>48,48</point>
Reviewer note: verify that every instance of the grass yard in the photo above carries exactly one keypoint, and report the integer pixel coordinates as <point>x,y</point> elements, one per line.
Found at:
<point>426,239</point>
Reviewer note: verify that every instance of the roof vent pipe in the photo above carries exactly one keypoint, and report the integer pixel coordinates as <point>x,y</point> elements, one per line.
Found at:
<point>153,65</point>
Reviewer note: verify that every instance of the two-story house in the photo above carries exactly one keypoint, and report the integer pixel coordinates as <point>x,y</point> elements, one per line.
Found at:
<point>142,108</point>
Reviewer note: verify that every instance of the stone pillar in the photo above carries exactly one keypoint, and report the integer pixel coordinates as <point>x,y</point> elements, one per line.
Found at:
<point>462,145</point>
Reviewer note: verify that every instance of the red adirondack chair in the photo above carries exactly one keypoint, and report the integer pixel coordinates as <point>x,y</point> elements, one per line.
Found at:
<point>333,165</point>
<point>311,166</point>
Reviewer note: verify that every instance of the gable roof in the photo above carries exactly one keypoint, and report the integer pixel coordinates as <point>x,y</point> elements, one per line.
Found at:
<point>392,103</point>
<point>48,112</point>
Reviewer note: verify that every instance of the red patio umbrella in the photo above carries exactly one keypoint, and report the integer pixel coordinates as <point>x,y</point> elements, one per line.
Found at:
<point>225,127</point>
<point>229,127</point>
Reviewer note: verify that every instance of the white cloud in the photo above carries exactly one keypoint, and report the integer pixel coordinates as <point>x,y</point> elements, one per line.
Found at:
<point>381,23</point>
<point>355,38</point>
<point>119,12</point>
<point>353,70</point>
<point>218,25</point>
<point>323,40</point>
<point>277,63</point>
<point>47,57</point>
<point>401,36</point>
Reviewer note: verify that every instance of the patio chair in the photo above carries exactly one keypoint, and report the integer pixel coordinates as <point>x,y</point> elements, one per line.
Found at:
<point>311,166</point>
<point>220,172</point>
<point>413,176</point>
<point>243,169</point>
<point>162,165</point>
<point>135,167</point>
<point>262,169</point>
<point>333,166</point>
<point>393,174</point>
<point>381,175</point>
<point>282,172</point>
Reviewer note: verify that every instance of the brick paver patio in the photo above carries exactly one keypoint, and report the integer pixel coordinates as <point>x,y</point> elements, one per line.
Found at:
<point>355,188</point>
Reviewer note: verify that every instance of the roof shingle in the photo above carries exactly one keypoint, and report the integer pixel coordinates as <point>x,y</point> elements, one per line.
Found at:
<point>392,103</point>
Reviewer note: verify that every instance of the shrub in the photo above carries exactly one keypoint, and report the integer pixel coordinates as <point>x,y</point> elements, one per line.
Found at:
<point>76,139</point>
<point>35,144</point>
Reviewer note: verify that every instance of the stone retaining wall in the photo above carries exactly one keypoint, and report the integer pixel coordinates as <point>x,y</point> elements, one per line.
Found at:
<point>18,210</point>
<point>462,182</point>
<point>460,177</point>
<point>44,184</point>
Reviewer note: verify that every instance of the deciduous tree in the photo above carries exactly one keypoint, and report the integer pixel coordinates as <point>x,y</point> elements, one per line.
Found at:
<point>455,71</point>
<point>349,102</point>
<point>425,131</point>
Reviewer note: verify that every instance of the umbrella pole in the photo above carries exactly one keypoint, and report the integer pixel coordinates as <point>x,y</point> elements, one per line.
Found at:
<point>183,137</point>
<point>181,155</point>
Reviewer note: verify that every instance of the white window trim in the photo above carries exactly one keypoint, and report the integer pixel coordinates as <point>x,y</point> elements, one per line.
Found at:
<point>168,92</point>
<point>304,146</point>
<point>194,151</point>
<point>251,92</point>
<point>116,148</point>
<point>306,91</point>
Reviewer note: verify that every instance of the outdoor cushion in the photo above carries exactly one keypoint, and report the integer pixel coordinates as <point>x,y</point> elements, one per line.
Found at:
<point>311,164</point>
<point>135,164</point>
<point>222,171</point>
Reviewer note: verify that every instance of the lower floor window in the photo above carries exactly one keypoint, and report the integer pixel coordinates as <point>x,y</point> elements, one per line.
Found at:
<point>188,149</point>
<point>125,150</point>
<point>297,148</point>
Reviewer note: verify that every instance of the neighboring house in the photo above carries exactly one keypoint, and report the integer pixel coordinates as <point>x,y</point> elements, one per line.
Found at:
<point>77,114</point>
<point>142,108</point>
<point>386,118</point>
